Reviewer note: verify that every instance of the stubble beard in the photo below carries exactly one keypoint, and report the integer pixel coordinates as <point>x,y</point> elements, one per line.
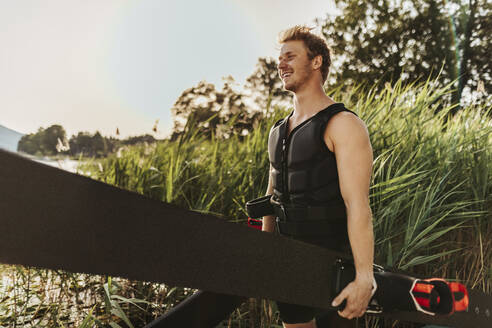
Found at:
<point>303,76</point>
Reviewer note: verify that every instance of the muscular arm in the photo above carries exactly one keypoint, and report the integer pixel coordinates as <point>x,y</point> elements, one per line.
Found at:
<point>350,140</point>
<point>269,221</point>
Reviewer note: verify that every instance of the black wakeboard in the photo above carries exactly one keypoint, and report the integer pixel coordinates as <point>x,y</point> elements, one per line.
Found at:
<point>55,219</point>
<point>396,295</point>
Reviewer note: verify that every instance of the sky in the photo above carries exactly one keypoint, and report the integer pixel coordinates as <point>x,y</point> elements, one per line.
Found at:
<point>92,65</point>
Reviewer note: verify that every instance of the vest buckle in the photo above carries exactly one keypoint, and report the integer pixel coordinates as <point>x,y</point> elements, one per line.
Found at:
<point>284,212</point>
<point>279,219</point>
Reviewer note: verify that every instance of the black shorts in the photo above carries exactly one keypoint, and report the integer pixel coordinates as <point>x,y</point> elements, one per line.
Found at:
<point>292,313</point>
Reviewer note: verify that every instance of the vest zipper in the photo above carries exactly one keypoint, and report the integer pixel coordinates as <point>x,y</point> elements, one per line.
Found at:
<point>285,175</point>
<point>285,143</point>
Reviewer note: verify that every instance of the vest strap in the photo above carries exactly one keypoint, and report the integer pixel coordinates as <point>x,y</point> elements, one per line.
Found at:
<point>311,228</point>
<point>309,214</point>
<point>310,221</point>
<point>300,221</point>
<point>259,207</point>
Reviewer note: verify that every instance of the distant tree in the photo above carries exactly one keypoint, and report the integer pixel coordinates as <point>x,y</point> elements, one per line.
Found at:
<point>213,112</point>
<point>90,145</point>
<point>50,137</point>
<point>29,144</point>
<point>234,116</point>
<point>99,146</point>
<point>147,138</point>
<point>196,103</point>
<point>50,141</point>
<point>81,144</point>
<point>383,40</point>
<point>96,145</point>
<point>43,142</point>
<point>265,85</point>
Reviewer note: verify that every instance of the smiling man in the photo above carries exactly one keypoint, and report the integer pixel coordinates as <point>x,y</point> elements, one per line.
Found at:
<point>320,169</point>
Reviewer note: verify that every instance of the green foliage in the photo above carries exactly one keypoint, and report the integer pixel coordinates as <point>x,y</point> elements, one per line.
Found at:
<point>212,112</point>
<point>95,145</point>
<point>223,113</point>
<point>194,171</point>
<point>383,41</point>
<point>43,142</point>
<point>88,145</point>
<point>52,141</point>
<point>265,85</point>
<point>430,196</point>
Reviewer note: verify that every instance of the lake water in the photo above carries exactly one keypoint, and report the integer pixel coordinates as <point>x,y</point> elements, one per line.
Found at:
<point>64,164</point>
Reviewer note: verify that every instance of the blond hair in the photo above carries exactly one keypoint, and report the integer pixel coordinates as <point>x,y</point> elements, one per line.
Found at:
<point>316,45</point>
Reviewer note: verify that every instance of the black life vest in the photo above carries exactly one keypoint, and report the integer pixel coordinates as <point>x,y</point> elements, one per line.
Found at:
<point>304,170</point>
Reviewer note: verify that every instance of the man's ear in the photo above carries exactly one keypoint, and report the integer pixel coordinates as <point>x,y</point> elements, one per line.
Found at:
<point>317,61</point>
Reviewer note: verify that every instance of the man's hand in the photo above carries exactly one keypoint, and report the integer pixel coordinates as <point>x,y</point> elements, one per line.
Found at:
<point>358,294</point>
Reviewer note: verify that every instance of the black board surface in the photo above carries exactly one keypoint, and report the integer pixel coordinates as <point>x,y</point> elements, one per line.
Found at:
<point>55,219</point>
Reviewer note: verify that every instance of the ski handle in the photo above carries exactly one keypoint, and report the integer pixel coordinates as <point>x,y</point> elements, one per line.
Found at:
<point>344,274</point>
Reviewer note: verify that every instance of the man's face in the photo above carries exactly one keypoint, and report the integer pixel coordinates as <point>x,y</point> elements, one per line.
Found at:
<point>294,67</point>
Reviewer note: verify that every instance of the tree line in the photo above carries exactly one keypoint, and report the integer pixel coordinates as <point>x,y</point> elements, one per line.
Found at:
<point>53,140</point>
<point>386,40</point>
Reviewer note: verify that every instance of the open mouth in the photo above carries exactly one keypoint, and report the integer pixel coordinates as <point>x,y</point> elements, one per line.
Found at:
<point>286,75</point>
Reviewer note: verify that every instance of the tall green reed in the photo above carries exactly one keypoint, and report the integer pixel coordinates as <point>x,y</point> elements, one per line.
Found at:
<point>430,191</point>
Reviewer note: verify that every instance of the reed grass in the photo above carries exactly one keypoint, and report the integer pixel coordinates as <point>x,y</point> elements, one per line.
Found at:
<point>430,197</point>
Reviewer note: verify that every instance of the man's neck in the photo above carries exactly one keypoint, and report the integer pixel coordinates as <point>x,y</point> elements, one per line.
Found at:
<point>310,100</point>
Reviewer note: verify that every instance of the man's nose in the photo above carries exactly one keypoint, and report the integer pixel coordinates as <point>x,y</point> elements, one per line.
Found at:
<point>281,65</point>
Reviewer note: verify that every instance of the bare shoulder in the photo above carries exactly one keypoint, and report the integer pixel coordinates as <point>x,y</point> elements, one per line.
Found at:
<point>345,127</point>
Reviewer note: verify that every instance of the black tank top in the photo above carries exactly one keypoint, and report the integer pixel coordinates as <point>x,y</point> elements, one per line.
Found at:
<point>304,170</point>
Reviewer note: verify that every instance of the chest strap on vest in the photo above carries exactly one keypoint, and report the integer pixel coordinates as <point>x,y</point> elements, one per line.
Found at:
<point>310,221</point>
<point>300,221</point>
<point>309,214</point>
<point>266,205</point>
<point>311,228</point>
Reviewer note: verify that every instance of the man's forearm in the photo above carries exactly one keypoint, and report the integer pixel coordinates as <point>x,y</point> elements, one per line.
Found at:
<point>268,223</point>
<point>269,220</point>
<point>361,236</point>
